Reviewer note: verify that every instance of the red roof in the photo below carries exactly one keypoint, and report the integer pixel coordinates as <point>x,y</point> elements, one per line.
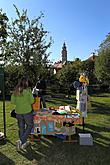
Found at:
<point>58,65</point>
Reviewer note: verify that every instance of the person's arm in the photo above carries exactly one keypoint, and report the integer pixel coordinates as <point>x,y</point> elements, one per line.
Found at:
<point>33,91</point>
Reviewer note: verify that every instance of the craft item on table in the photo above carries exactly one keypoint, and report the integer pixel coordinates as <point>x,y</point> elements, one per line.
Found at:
<point>69,116</point>
<point>69,128</point>
<point>40,113</point>
<point>51,128</point>
<point>53,108</point>
<point>47,127</point>
<point>58,126</point>
<point>43,127</point>
<point>55,113</point>
<point>62,112</point>
<point>36,104</point>
<point>61,107</point>
<point>43,109</point>
<point>76,113</point>
<point>67,108</point>
<point>37,129</point>
<point>68,124</point>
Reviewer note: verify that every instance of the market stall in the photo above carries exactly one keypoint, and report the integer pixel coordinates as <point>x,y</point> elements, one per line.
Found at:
<point>62,120</point>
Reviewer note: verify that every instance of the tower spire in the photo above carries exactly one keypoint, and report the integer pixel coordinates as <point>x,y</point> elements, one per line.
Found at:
<point>64,53</point>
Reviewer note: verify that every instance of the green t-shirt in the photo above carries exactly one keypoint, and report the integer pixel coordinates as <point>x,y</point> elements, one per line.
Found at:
<point>23,102</point>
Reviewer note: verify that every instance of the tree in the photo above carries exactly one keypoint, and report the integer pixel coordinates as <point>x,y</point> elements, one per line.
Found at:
<point>3,34</point>
<point>102,67</point>
<point>105,44</point>
<point>102,64</point>
<point>12,74</point>
<point>88,66</point>
<point>68,74</point>
<point>27,44</point>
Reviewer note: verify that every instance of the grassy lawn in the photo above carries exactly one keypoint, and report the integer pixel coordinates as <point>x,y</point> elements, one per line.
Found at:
<point>53,151</point>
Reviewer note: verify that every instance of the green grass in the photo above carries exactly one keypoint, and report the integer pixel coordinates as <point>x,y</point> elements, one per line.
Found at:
<point>53,151</point>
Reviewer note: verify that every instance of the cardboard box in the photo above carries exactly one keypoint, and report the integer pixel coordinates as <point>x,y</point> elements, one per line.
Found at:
<point>85,139</point>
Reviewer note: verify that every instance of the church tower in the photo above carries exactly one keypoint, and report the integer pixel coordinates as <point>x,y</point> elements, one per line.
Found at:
<point>64,54</point>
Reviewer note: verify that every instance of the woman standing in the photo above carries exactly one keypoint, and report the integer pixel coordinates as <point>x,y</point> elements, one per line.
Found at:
<point>22,98</point>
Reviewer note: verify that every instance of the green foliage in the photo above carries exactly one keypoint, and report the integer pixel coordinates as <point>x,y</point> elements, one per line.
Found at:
<point>102,66</point>
<point>105,44</point>
<point>12,74</point>
<point>3,25</point>
<point>27,44</point>
<point>3,34</point>
<point>53,83</point>
<point>24,45</point>
<point>68,74</point>
<point>88,67</point>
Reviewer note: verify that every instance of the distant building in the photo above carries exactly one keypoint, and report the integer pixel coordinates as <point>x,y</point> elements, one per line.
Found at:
<point>92,57</point>
<point>59,64</point>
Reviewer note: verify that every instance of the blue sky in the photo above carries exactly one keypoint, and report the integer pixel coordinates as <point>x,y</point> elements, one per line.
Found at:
<point>82,24</point>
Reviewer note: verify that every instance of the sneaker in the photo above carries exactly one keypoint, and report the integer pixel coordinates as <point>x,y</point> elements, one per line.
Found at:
<point>18,145</point>
<point>23,146</point>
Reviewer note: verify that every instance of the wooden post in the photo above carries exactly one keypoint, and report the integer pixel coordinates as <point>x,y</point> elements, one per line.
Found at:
<point>3,97</point>
<point>83,124</point>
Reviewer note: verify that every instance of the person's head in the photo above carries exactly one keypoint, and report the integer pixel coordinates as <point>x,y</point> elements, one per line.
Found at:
<point>22,84</point>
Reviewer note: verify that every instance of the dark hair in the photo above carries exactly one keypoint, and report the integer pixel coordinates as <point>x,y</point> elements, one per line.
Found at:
<point>22,84</point>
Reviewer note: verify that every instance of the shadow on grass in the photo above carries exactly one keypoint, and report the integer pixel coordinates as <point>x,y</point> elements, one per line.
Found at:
<point>4,160</point>
<point>61,101</point>
<point>37,151</point>
<point>72,153</point>
<point>100,108</point>
<point>95,128</point>
<point>8,141</point>
<point>53,151</point>
<point>101,94</point>
<point>96,134</point>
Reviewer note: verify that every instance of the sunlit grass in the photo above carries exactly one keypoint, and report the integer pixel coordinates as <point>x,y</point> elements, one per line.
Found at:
<point>53,151</point>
